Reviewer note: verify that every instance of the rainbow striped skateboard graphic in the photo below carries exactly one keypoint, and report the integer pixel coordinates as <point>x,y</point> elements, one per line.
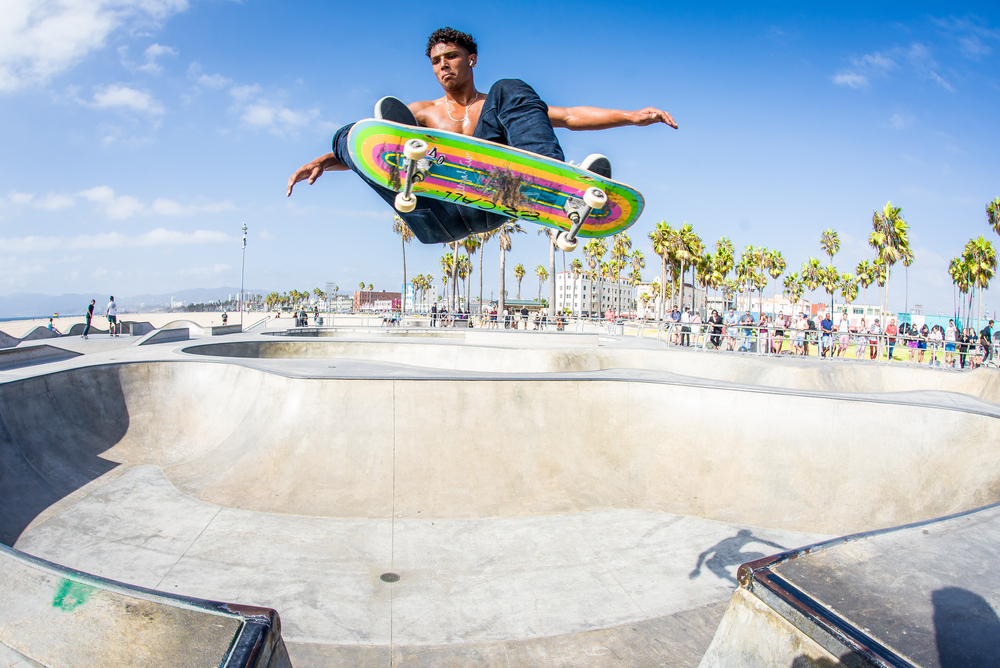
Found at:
<point>416,161</point>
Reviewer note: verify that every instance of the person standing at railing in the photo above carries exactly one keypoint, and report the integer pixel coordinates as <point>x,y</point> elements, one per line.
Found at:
<point>861,340</point>
<point>686,327</point>
<point>716,320</point>
<point>746,323</point>
<point>826,336</point>
<point>934,343</point>
<point>922,334</point>
<point>950,337</point>
<point>801,325</point>
<point>986,341</point>
<point>962,339</point>
<point>891,330</point>
<point>873,339</point>
<point>695,326</point>
<point>731,320</point>
<point>780,325</point>
<point>843,336</point>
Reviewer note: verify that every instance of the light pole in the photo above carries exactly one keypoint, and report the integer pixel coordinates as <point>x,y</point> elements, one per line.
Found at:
<point>242,270</point>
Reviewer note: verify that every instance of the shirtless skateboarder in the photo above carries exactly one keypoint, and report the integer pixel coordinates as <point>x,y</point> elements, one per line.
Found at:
<point>512,113</point>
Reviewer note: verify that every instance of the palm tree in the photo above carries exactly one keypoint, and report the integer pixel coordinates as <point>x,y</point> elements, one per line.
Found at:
<point>993,214</point>
<point>449,270</point>
<point>594,250</point>
<point>464,269</point>
<point>621,245</point>
<point>775,264</point>
<point>792,289</point>
<point>830,278</point>
<point>982,260</point>
<point>689,247</point>
<point>575,267</point>
<point>848,288</point>
<point>725,259</point>
<point>958,269</point>
<point>830,243</point>
<point>400,227</point>
<point>506,231</point>
<point>471,244</point>
<point>638,262</point>
<point>890,241</point>
<point>864,277</point>
<point>542,274</point>
<point>519,274</point>
<point>551,235</point>
<point>361,302</point>
<point>811,276</point>
<point>662,239</point>
<point>483,238</point>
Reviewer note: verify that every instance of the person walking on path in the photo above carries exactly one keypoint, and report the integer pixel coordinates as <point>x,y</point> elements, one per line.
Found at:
<point>89,316</point>
<point>112,313</point>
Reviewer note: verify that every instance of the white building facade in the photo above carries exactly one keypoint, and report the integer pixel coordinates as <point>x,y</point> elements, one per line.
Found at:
<point>583,296</point>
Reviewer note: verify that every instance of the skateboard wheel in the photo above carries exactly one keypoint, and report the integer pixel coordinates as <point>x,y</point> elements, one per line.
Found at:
<point>564,244</point>
<point>415,149</point>
<point>595,198</point>
<point>405,204</point>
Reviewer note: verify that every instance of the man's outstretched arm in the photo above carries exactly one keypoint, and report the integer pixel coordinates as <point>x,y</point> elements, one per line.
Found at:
<point>592,118</point>
<point>313,170</point>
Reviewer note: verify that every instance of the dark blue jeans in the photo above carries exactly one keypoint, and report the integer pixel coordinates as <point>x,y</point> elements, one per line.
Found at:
<point>512,114</point>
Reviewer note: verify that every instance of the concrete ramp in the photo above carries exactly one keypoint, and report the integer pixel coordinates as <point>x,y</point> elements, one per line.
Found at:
<point>920,595</point>
<point>14,358</point>
<point>56,617</point>
<point>8,341</point>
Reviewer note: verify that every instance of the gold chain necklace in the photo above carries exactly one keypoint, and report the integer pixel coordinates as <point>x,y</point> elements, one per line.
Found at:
<point>467,107</point>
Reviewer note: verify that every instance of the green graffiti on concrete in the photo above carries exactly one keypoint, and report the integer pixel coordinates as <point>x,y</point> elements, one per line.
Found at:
<point>71,595</point>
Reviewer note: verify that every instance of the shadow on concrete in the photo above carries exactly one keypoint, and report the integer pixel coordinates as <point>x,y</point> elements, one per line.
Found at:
<point>52,432</point>
<point>966,628</point>
<point>727,553</point>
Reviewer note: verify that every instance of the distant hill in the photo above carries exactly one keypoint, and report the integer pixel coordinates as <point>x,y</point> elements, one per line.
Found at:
<point>29,305</point>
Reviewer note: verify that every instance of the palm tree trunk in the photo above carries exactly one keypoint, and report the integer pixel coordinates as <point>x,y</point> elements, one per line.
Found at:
<point>402,302</point>
<point>552,275</point>
<point>500,299</point>
<point>454,276</point>
<point>663,287</point>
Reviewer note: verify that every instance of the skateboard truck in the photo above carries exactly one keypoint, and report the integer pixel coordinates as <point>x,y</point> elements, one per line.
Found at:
<point>578,210</point>
<point>414,151</point>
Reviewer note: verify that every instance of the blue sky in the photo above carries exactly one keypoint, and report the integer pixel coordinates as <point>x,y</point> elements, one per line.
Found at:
<point>138,135</point>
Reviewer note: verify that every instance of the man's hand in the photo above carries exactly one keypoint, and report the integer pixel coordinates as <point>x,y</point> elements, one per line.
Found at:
<point>651,115</point>
<point>313,170</point>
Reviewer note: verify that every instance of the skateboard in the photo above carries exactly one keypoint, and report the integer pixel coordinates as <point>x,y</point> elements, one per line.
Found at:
<point>424,162</point>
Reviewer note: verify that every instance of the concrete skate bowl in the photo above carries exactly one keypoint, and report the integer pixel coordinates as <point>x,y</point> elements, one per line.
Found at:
<point>783,372</point>
<point>231,483</point>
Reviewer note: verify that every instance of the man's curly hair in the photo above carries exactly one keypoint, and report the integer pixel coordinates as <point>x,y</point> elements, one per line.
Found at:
<point>451,36</point>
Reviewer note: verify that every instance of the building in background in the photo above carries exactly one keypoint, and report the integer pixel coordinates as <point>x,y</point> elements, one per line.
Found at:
<point>376,300</point>
<point>592,297</point>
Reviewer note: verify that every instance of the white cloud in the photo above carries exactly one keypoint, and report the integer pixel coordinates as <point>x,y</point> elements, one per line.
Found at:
<point>117,207</point>
<point>54,202</point>
<point>213,81</point>
<point>123,97</point>
<point>851,79</point>
<point>154,52</point>
<point>112,240</point>
<point>862,69</point>
<point>936,78</point>
<point>260,113</point>
<point>40,39</point>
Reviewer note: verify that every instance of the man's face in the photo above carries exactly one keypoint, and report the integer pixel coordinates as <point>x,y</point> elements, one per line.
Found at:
<point>451,65</point>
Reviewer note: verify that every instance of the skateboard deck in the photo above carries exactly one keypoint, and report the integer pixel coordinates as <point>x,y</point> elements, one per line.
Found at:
<point>489,176</point>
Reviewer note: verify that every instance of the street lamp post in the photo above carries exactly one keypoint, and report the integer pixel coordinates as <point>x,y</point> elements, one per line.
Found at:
<point>242,271</point>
